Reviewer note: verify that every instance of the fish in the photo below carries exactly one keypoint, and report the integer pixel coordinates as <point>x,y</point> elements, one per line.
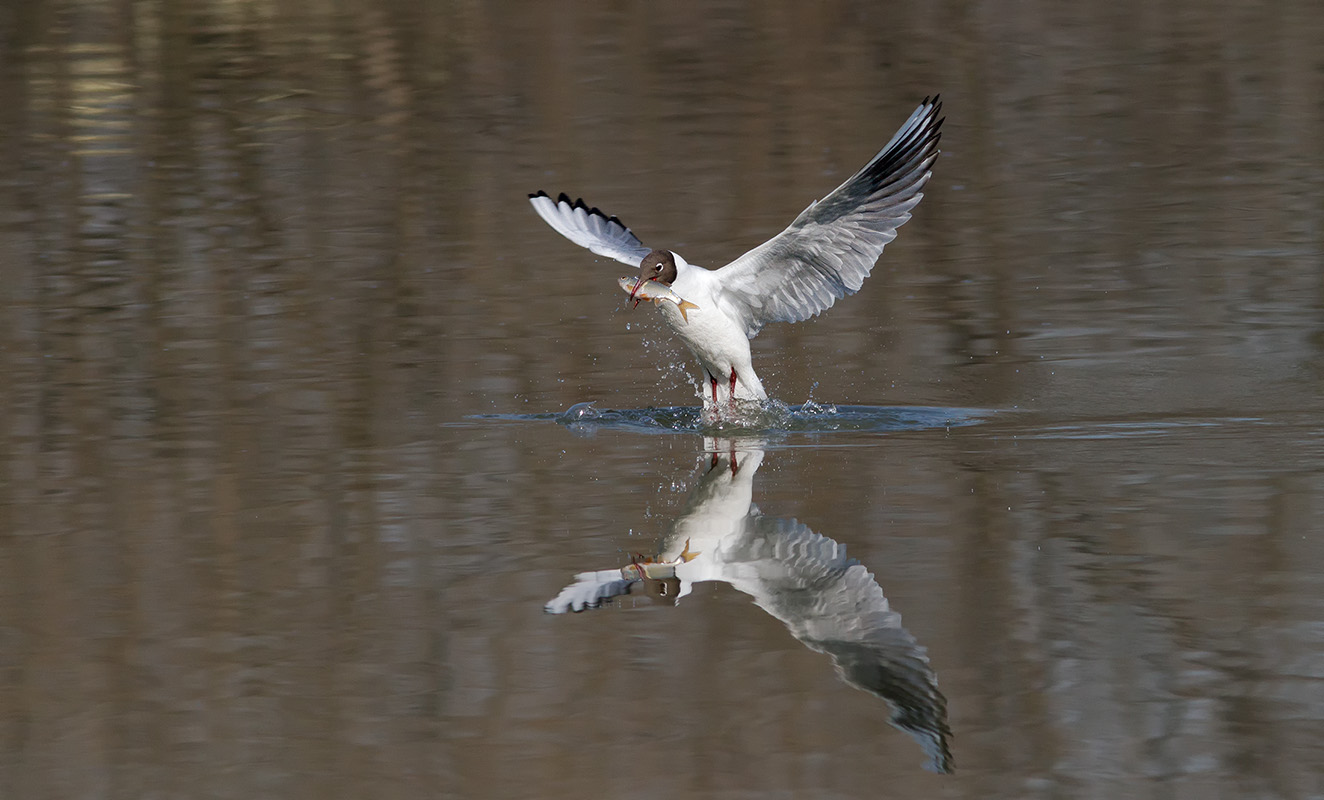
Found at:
<point>657,292</point>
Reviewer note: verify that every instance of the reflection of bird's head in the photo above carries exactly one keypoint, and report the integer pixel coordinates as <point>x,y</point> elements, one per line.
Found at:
<point>665,589</point>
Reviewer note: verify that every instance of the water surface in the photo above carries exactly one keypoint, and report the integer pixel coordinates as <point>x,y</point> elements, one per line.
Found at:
<point>288,476</point>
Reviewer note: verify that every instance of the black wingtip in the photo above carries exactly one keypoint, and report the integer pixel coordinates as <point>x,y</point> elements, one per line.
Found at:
<point>592,211</point>
<point>577,204</point>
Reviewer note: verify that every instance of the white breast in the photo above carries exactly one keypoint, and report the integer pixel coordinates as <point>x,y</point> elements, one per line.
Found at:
<point>714,336</point>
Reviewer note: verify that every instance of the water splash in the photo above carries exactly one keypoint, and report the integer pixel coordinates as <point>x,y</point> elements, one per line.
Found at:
<point>756,418</point>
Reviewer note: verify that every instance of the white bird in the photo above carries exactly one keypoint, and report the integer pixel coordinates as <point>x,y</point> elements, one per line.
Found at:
<point>827,600</point>
<point>825,254</point>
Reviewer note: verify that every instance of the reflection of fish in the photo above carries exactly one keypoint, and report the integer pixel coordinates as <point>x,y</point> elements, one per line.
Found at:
<point>653,569</point>
<point>827,600</point>
<point>657,292</point>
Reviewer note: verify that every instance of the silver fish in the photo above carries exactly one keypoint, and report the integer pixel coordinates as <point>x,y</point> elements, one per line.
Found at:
<point>657,292</point>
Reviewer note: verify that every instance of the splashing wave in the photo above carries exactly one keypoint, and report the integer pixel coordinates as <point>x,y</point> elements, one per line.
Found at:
<point>756,418</point>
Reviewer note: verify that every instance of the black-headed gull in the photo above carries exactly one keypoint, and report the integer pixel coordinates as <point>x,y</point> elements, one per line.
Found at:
<point>825,254</point>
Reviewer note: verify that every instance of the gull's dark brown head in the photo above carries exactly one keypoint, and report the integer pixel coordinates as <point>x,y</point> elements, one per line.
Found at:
<point>658,265</point>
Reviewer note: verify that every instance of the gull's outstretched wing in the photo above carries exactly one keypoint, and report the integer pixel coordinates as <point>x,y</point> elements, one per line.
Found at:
<point>829,249</point>
<point>589,227</point>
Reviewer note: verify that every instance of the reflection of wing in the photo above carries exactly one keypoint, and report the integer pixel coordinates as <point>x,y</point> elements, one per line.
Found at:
<point>833,605</point>
<point>589,590</point>
<point>828,600</point>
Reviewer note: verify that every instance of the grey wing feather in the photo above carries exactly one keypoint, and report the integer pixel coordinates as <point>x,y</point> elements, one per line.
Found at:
<point>589,227</point>
<point>828,251</point>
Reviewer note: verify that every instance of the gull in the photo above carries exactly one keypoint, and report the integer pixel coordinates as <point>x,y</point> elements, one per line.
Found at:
<point>824,255</point>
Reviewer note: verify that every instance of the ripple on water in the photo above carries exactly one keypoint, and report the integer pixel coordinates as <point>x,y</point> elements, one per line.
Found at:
<point>753,418</point>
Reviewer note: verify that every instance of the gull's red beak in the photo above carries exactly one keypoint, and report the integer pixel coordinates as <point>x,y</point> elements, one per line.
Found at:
<point>635,290</point>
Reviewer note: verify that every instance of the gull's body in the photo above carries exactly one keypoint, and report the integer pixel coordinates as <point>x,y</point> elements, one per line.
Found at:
<point>825,254</point>
<point>717,338</point>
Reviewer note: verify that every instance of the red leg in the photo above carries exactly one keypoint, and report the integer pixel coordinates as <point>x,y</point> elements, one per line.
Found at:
<point>733,387</point>
<point>714,380</point>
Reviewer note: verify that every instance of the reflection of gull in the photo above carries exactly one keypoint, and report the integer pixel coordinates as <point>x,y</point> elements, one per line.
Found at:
<point>827,600</point>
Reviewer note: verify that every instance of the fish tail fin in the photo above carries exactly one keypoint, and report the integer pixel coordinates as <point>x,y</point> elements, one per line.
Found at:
<point>685,306</point>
